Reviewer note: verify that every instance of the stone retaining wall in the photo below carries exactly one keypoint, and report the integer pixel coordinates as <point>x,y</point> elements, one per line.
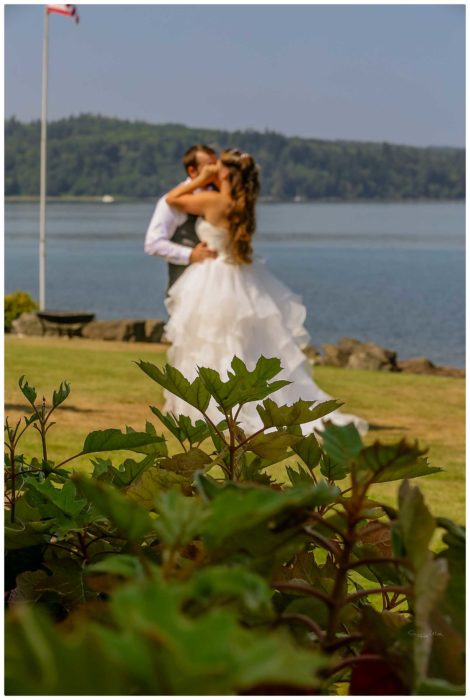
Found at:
<point>132,330</point>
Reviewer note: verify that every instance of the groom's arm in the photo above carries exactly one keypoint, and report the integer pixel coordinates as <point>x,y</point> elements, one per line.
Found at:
<point>163,225</point>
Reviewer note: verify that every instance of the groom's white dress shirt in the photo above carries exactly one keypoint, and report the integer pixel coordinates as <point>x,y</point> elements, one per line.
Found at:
<point>163,224</point>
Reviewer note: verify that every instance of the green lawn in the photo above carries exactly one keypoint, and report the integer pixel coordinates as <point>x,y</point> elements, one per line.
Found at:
<point>109,391</point>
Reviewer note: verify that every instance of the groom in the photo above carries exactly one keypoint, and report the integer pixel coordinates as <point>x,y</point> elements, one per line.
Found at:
<point>171,233</point>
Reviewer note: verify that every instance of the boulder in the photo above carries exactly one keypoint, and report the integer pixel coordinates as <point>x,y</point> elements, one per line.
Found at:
<point>313,355</point>
<point>417,365</point>
<point>422,365</point>
<point>445,371</point>
<point>331,356</point>
<point>352,353</point>
<point>123,329</point>
<point>27,324</point>
<point>372,356</point>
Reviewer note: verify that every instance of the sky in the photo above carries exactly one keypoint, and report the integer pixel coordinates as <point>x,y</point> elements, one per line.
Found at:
<point>391,73</point>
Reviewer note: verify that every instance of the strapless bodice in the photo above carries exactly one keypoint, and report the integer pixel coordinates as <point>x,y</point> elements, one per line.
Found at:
<point>215,237</point>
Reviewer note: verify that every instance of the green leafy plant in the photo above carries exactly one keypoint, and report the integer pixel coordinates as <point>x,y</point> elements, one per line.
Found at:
<point>16,304</point>
<point>197,573</point>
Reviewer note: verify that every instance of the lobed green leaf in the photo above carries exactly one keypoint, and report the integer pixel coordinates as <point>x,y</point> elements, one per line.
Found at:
<point>242,385</point>
<point>29,392</point>
<point>379,463</point>
<point>113,439</point>
<point>180,519</point>
<point>61,394</point>
<point>130,519</point>
<point>236,508</point>
<point>273,446</point>
<point>309,450</point>
<point>152,482</point>
<point>171,379</point>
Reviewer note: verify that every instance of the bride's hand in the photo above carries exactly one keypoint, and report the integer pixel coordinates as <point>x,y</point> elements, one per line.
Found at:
<point>208,174</point>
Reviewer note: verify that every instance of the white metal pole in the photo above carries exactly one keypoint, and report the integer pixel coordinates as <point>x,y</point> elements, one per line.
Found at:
<point>42,201</point>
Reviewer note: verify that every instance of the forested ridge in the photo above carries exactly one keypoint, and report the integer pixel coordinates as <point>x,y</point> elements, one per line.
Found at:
<point>94,155</point>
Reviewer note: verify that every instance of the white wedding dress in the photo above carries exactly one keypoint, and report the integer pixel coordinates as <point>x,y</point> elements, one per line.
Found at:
<point>219,309</point>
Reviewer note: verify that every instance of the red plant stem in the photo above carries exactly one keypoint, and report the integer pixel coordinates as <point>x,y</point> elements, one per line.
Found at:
<point>13,483</point>
<point>344,641</point>
<point>61,546</point>
<point>300,587</point>
<point>95,539</point>
<point>232,448</point>
<point>237,412</point>
<point>353,660</point>
<point>340,581</point>
<point>258,432</point>
<point>28,471</point>
<point>378,560</point>
<point>83,546</point>
<point>324,541</point>
<point>42,431</point>
<point>307,621</point>
<point>370,591</point>
<point>69,459</point>
<point>320,519</point>
<point>213,425</point>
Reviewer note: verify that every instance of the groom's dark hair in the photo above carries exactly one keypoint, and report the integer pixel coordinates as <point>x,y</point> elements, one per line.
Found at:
<point>190,157</point>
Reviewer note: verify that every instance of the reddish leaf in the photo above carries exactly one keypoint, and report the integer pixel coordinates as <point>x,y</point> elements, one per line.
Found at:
<point>375,678</point>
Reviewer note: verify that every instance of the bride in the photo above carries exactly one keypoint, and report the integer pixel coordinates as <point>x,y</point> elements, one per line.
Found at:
<point>233,305</point>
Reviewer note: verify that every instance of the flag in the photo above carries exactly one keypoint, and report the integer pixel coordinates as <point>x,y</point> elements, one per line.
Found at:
<point>69,10</point>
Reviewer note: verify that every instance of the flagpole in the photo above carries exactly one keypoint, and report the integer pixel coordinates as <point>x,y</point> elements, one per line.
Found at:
<point>42,200</point>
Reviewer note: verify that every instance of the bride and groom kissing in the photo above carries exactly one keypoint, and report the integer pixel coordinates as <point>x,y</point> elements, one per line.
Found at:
<point>223,301</point>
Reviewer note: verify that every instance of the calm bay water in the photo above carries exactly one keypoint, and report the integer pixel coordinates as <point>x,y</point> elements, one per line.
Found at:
<point>392,273</point>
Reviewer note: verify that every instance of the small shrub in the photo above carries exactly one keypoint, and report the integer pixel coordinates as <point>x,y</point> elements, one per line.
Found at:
<point>17,304</point>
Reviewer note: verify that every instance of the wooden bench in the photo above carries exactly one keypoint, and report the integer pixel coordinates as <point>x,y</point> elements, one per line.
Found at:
<point>68,323</point>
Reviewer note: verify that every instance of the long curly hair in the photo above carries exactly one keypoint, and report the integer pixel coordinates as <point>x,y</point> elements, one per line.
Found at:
<point>245,186</point>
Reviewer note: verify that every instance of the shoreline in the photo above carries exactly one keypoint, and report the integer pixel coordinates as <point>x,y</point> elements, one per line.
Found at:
<point>120,345</point>
<point>122,199</point>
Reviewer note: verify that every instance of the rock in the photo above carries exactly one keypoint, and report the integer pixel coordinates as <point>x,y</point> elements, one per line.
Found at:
<point>27,324</point>
<point>122,329</point>
<point>364,360</point>
<point>445,371</point>
<point>417,365</point>
<point>313,355</point>
<point>332,356</point>
<point>372,356</point>
<point>154,331</point>
<point>349,345</point>
<point>351,353</point>
<point>422,365</point>
<point>150,330</point>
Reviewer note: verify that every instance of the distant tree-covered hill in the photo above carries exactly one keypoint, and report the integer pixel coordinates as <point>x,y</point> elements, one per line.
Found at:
<point>94,155</point>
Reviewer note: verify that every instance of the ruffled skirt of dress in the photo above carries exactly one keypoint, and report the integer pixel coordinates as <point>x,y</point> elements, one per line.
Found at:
<point>218,310</point>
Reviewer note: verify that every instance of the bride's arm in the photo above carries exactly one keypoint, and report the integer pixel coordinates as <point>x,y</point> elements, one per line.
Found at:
<point>185,198</point>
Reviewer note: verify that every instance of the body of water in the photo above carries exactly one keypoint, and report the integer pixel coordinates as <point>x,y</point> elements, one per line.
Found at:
<point>391,273</point>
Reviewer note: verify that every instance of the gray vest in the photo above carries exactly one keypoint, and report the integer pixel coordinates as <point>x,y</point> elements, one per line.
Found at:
<point>184,235</point>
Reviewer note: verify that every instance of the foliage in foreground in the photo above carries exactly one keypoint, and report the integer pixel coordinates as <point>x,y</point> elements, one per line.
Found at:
<point>195,574</point>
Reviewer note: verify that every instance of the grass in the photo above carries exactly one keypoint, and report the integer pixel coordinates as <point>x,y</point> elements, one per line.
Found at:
<point>110,391</point>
